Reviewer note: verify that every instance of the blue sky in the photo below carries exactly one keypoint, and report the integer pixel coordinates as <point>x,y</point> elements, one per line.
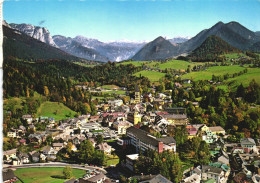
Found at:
<point>108,20</point>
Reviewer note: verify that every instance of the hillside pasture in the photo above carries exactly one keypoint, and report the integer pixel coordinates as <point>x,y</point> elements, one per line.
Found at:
<point>178,64</point>
<point>245,79</point>
<point>140,63</point>
<point>234,55</point>
<point>153,76</point>
<point>56,110</point>
<point>216,70</point>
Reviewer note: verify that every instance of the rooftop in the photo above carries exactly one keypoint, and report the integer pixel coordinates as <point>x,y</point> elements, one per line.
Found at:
<point>143,136</point>
<point>133,156</point>
<point>216,128</point>
<point>211,169</point>
<point>167,140</point>
<point>247,141</point>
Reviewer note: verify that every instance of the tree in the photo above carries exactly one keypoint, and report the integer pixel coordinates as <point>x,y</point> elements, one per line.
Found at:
<point>86,151</point>
<point>67,172</point>
<point>99,139</point>
<point>69,147</point>
<point>177,169</point>
<point>203,153</point>
<point>46,90</point>
<point>180,135</point>
<point>253,92</point>
<point>49,139</point>
<point>240,91</point>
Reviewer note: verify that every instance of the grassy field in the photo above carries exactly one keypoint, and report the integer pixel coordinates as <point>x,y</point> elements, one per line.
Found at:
<point>42,175</point>
<point>55,110</point>
<point>140,63</point>
<point>173,64</point>
<point>216,70</point>
<point>151,75</point>
<point>111,160</point>
<point>118,92</point>
<point>245,79</point>
<point>178,64</point>
<point>110,87</point>
<point>234,55</point>
<point>101,98</point>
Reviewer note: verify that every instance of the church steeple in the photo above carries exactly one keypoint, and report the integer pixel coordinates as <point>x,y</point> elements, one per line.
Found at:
<point>137,94</point>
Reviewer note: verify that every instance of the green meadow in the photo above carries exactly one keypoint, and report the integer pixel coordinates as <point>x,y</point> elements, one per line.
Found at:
<point>216,70</point>
<point>151,75</point>
<point>178,64</point>
<point>245,79</point>
<point>44,174</point>
<point>56,110</point>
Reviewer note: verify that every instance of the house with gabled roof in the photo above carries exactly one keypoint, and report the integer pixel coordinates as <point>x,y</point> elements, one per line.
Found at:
<point>24,158</point>
<point>217,130</point>
<point>9,155</point>
<point>104,147</point>
<point>57,146</point>
<point>49,152</point>
<point>211,172</point>
<point>28,118</point>
<point>154,179</point>
<point>248,144</point>
<point>121,126</point>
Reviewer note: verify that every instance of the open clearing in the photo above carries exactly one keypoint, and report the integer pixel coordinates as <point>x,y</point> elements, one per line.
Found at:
<point>235,55</point>
<point>171,64</point>
<point>110,87</point>
<point>42,175</point>
<point>216,70</point>
<point>140,63</point>
<point>151,75</point>
<point>56,110</point>
<point>178,64</point>
<point>245,79</point>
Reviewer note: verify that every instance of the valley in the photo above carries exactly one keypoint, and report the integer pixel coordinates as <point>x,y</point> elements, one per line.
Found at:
<point>175,109</point>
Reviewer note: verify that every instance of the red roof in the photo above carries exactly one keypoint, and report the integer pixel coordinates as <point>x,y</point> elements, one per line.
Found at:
<point>22,140</point>
<point>161,113</point>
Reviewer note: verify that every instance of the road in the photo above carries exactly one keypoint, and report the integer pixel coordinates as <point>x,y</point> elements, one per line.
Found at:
<point>55,164</point>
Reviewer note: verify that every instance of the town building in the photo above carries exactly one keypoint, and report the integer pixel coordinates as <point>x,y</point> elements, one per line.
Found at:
<point>130,161</point>
<point>211,172</point>
<point>134,117</point>
<point>121,126</point>
<point>143,141</point>
<point>137,95</point>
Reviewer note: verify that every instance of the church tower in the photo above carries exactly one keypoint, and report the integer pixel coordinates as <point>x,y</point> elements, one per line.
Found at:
<point>137,94</point>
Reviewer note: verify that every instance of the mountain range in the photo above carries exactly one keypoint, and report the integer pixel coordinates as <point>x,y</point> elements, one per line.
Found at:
<point>19,45</point>
<point>90,49</point>
<point>232,33</point>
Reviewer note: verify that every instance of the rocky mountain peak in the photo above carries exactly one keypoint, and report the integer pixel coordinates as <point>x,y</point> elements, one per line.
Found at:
<point>40,33</point>
<point>6,24</point>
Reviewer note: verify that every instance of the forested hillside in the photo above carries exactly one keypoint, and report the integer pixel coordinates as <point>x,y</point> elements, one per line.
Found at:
<point>56,79</point>
<point>211,49</point>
